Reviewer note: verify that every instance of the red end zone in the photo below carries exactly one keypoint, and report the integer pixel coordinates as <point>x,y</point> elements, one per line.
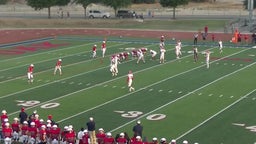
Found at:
<point>18,50</point>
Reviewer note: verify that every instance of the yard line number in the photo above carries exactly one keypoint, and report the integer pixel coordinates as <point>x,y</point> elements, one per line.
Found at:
<point>34,102</point>
<point>135,114</point>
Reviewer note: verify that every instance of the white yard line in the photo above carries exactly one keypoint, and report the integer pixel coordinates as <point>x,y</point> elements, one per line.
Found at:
<point>144,115</point>
<point>125,94</point>
<point>40,53</point>
<point>53,67</point>
<point>43,53</point>
<point>205,121</point>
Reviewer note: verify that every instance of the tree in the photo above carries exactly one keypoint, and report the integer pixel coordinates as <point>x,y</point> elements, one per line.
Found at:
<point>41,4</point>
<point>117,4</point>
<point>2,2</point>
<point>173,4</point>
<point>85,3</point>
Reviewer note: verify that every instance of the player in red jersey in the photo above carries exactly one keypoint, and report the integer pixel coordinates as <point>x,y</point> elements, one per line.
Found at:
<point>121,139</point>
<point>94,49</point>
<point>100,136</point>
<point>32,133</point>
<point>70,137</point>
<point>134,53</point>
<point>126,55</point>
<point>103,48</point>
<point>42,135</point>
<point>24,132</point>
<point>163,141</point>
<point>144,50</point>
<point>55,134</point>
<point>108,139</point>
<point>4,122</point>
<point>63,134</point>
<point>137,140</point>
<point>16,129</point>
<point>129,81</point>
<point>85,138</point>
<point>7,134</point>
<point>4,116</point>
<point>30,73</point>
<point>58,67</point>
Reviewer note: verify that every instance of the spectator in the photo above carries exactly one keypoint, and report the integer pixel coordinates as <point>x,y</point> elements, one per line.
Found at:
<point>91,129</point>
<point>206,30</point>
<point>23,115</point>
<point>213,37</point>
<point>137,129</point>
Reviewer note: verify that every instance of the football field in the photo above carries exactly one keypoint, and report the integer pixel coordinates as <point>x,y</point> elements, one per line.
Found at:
<point>179,99</point>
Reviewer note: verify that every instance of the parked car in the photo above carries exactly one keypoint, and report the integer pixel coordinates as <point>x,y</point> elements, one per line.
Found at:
<point>126,14</point>
<point>98,14</point>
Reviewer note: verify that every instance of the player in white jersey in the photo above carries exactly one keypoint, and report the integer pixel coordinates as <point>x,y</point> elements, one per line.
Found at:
<point>177,51</point>
<point>220,46</point>
<point>140,56</point>
<point>113,65</point>
<point>162,53</point>
<point>129,81</point>
<point>153,54</point>
<point>207,58</point>
<point>179,45</point>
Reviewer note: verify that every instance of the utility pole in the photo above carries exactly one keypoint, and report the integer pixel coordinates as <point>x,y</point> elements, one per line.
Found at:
<point>250,9</point>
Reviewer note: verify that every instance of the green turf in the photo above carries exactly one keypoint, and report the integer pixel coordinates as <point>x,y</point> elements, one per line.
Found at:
<point>198,104</point>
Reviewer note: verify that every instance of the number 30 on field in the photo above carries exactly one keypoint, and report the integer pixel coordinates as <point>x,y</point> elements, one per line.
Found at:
<point>134,114</point>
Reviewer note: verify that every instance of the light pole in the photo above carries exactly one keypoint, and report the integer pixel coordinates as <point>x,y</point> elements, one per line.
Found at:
<point>250,9</point>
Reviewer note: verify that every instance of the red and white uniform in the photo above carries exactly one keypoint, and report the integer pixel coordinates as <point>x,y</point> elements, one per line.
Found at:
<point>58,66</point>
<point>177,51</point>
<point>121,139</point>
<point>70,137</point>
<point>55,135</point>
<point>140,56</point>
<point>134,53</point>
<point>32,132</point>
<point>16,129</point>
<point>85,138</point>
<point>42,135</point>
<point>7,133</point>
<point>144,50</point>
<point>130,80</point>
<point>24,132</point>
<point>162,53</point>
<point>162,39</point>
<point>113,65</point>
<point>103,48</point>
<point>4,116</point>
<point>94,49</point>
<point>207,58</point>
<point>100,136</point>
<point>126,55</point>
<point>108,139</point>
<point>153,53</point>
<point>30,73</point>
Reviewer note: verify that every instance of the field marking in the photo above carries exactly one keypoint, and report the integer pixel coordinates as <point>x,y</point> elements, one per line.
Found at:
<point>58,54</point>
<point>46,52</point>
<point>216,114</point>
<point>85,61</point>
<point>104,86</point>
<point>144,115</point>
<point>148,87</point>
<point>125,94</point>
